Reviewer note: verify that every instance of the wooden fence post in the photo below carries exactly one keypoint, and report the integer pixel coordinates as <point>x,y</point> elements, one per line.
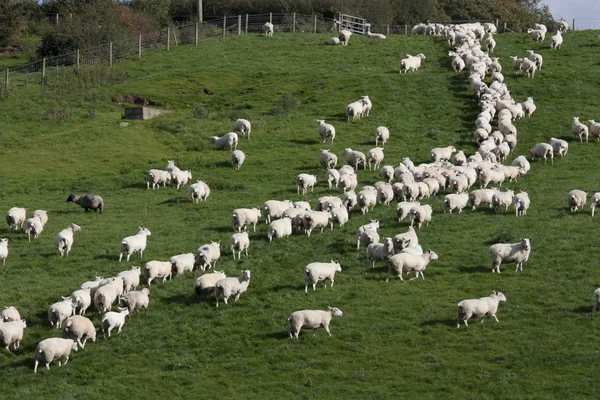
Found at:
<point>43,69</point>
<point>315,23</point>
<point>406,29</point>
<point>140,46</point>
<point>294,23</point>
<point>110,54</point>
<point>168,38</point>
<point>504,26</point>
<point>78,59</point>
<point>573,27</point>
<point>239,25</point>
<point>496,22</point>
<point>175,37</point>
<point>246,24</point>
<point>271,17</point>
<point>196,33</point>
<point>224,25</point>
<point>6,83</point>
<point>388,30</point>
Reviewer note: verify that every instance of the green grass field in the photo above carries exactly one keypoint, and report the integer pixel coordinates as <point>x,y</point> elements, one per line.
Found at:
<point>396,340</point>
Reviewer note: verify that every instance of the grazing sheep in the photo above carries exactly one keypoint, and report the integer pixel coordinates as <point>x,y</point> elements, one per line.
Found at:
<point>60,311</point>
<point>327,159</point>
<point>182,263</point>
<point>199,191</point>
<point>237,158</point>
<point>12,332</point>
<point>135,243</point>
<point>502,199</point>
<point>81,300</point>
<point>344,36</point>
<point>579,130</point>
<point>232,286</point>
<point>382,134</point>
<point>355,110</point>
<point>374,157</point>
<point>379,251</point>
<point>15,217</point>
<point>442,153</point>
<point>112,320</point>
<point>229,139</point>
<point>314,220</point>
<point>481,196</point>
<point>205,284</point>
<point>88,201</point>
<point>156,177</point>
<point>411,63</point>
<point>52,349</point>
<point>279,228</point>
<point>239,242</point>
<point>455,201</point>
<point>481,307</point>
<point>157,269</point>
<point>180,178</point>
<point>64,239</point>
<point>136,300</point>
<point>304,182</point>
<point>207,255</point>
<point>9,314</point>
<point>409,262</point>
<point>521,203</point>
<point>505,253</point>
<point>274,209</point>
<point>3,250</point>
<point>326,130</point>
<point>542,150</point>
<point>312,319</point>
<point>77,328</point>
<point>556,41</point>
<point>595,202</point>
<point>576,199</point>
<point>317,271</point>
<point>420,214</point>
<point>242,217</point>
<point>268,29</point>
<point>242,126</point>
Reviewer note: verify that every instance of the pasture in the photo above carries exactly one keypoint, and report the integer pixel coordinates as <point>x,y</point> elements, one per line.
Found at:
<point>395,340</point>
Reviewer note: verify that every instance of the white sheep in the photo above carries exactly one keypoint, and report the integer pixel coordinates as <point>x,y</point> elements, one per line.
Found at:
<point>528,106</point>
<point>268,29</point>
<point>33,226</point>
<point>156,177</point>
<point>542,150</point>
<point>522,163</point>
<point>305,182</point>
<point>229,139</point>
<point>60,311</point>
<point>595,202</point>
<point>199,191</point>
<point>455,201</point>
<point>349,200</point>
<point>537,35</point>
<point>317,272</point>
<point>77,328</point>
<point>521,203</point>
<point>81,300</point>
<point>348,182</point>
<point>379,251</point>
<point>333,41</point>
<point>327,159</point>
<point>326,130</point>
<point>529,67</point>
<point>536,58</point>
<point>315,220</point>
<point>91,286</point>
<point>242,217</point>
<point>354,110</point>
<point>481,307</point>
<point>367,105</point>
<point>131,277</point>
<point>135,243</point>
<point>12,333</point>
<point>232,286</point>
<point>490,43</point>
<point>180,178</point>
<point>135,300</point>
<point>385,193</point>
<point>344,36</point>
<point>15,218</point>
<point>274,209</point>
<point>279,228</point>
<point>205,284</point>
<point>108,293</point>
<point>373,35</point>
<point>9,314</point>
<point>3,250</point>
<point>237,158</point>
<point>52,349</point>
<point>312,319</point>
<point>579,130</point>
<point>207,255</point>
<point>355,158</point>
<point>575,199</point>
<point>332,176</point>
<point>405,240</point>
<point>239,242</point>
<point>556,41</point>
<point>458,64</point>
<point>182,263</point>
<point>481,196</point>
<point>442,153</point>
<point>157,269</point>
<point>382,134</point>
<point>559,146</point>
<point>374,157</point>
<point>366,199</point>
<point>459,184</point>
<point>505,253</point>
<point>563,26</point>
<point>502,199</point>
<point>411,63</point>
<point>338,215</point>
<point>242,126</point>
<point>420,214</point>
<point>112,320</point>
<point>409,262</point>
<point>594,129</point>
<point>403,209</point>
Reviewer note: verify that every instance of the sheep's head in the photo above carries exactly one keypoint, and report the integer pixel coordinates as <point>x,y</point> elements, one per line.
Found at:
<point>75,228</point>
<point>432,255</point>
<point>72,198</point>
<point>526,243</point>
<point>320,121</point>
<point>336,312</point>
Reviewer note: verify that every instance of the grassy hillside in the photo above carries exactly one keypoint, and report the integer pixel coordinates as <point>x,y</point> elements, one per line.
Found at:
<point>396,340</point>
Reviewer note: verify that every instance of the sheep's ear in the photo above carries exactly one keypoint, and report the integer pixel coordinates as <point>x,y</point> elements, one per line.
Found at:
<point>331,308</point>
<point>493,291</point>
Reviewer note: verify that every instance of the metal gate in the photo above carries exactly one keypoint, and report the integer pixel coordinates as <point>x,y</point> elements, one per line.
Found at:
<point>353,24</point>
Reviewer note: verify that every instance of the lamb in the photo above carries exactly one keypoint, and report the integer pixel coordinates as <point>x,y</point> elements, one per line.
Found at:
<point>536,58</point>
<point>410,262</point>
<point>131,277</point>
<point>112,320</point>
<point>136,300</point>
<point>522,163</point>
<point>77,328</point>
<point>327,159</point>
<point>521,203</point>
<point>12,332</point>
<point>420,214</point>
<point>348,182</point>
<point>15,218</point>
<point>312,319</point>
<point>242,126</point>
<point>579,130</point>
<point>9,314</point>
<point>268,29</point>
<point>315,219</point>
<point>52,349</point>
<point>205,284</point>
<point>107,294</point>
<point>332,176</point>
<point>442,153</point>
<point>349,200</point>
<point>242,217</point>
<point>529,67</point>
<point>405,240</point>
<point>563,26</point>
<point>304,182</point>
<point>33,226</point>
<point>373,35</point>
<point>182,263</point>
<point>559,146</point>
<point>542,150</point>
<point>157,269</point>
<point>594,129</point>
<point>556,41</point>
<point>180,178</point>
<point>274,209</point>
<point>411,63</point>
<point>458,64</point>
<point>354,110</point>
<point>199,191</point>
<point>490,43</point>
<point>385,193</point>
<point>239,242</point>
<point>576,199</point>
<point>595,203</point>
<point>156,177</point>
<point>91,286</point>
<point>481,196</point>
<point>333,41</point>
<point>81,300</point>
<point>497,77</point>
<point>229,139</point>
<point>135,243</point>
<point>88,201</point>
<point>3,250</point>
<point>379,251</point>
<point>367,105</point>
<point>355,158</point>
<point>317,271</point>
<point>64,239</point>
<point>502,199</point>
<point>382,134</point>
<point>232,286</point>
<point>366,199</point>
<point>537,35</point>
<point>207,255</point>
<point>171,166</point>
<point>403,209</point>
<point>344,36</point>
<point>374,157</point>
<point>528,106</point>
<point>480,307</point>
<point>505,253</point>
<point>516,63</point>
<point>279,228</point>
<point>60,311</point>
<point>326,131</point>
<point>366,237</point>
<point>455,201</point>
<point>237,158</point>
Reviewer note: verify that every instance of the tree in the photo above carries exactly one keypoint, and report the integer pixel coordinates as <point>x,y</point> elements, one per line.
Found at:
<point>12,23</point>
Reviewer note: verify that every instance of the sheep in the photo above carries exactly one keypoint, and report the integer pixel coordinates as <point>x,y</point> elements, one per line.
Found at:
<point>3,250</point>
<point>522,163</point>
<point>409,262</point>
<point>385,193</point>
<point>15,217</point>
<point>242,217</point>
<point>366,199</point>
<point>556,41</point>
<point>182,263</point>
<point>379,251</point>
<point>382,134</point>
<point>274,209</point>
<point>239,242</point>
<point>52,349</point>
<point>156,177</point>
<point>315,219</point>
<point>442,153</point>
<point>304,182</point>
<point>420,214</point>
<point>136,300</point>
<point>35,226</point>
<point>366,237</point>
<point>157,269</point>
<point>317,271</point>
<point>373,35</point>
<point>406,239</point>
<point>528,106</point>
<point>312,319</point>
<point>529,67</point>
<point>60,311</point>
<point>355,158</point>
<point>537,35</point>
<point>575,199</point>
<point>595,203</point>
<point>268,29</point>
<point>328,202</point>
<point>135,243</point>
<point>112,320</point>
<point>559,146</point>
<point>516,64</point>
<point>81,300</point>
<point>237,158</point>
<point>511,172</point>
<point>541,27</point>
<point>367,105</point>
<point>242,126</point>
<point>9,314</point>
<point>327,159</point>
<point>458,64</point>
<point>326,130</point>
<point>180,178</point>
<point>497,77</point>
<point>594,129</point>
<point>232,286</point>
<point>88,202</point>
<point>536,58</point>
<point>460,183</point>
<point>333,41</point>
<point>521,203</point>
<point>12,333</point>
<point>403,209</point>
<point>597,299</point>
<point>480,307</point>
<point>64,239</point>
<point>455,201</point>
<point>171,166</point>
<point>411,63</point>
<point>348,182</point>
<point>344,36</point>
<point>332,176</point>
<point>542,150</point>
<point>490,43</point>
<point>505,253</point>
<point>374,157</point>
<point>481,196</point>
<point>459,158</point>
<point>502,199</point>
<point>207,255</point>
<point>563,26</point>
<point>349,200</point>
<point>354,110</point>
<point>77,328</point>
<point>205,284</point>
<point>107,294</point>
<point>229,139</point>
<point>91,286</point>
<point>279,228</point>
<point>199,191</point>
<point>579,130</point>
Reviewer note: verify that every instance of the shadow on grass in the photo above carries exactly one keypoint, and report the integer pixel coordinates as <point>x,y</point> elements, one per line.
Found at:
<point>584,310</point>
<point>304,141</point>
<point>106,257</point>
<point>26,362</point>
<point>174,201</point>
<point>223,229</point>
<point>278,335</point>
<point>277,288</point>
<point>475,269</point>
<point>444,322</point>
<point>137,186</point>
<point>182,299</point>
<point>224,164</point>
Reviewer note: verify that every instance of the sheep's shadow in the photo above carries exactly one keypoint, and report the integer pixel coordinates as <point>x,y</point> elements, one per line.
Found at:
<point>277,288</point>
<point>182,299</point>
<point>25,362</point>
<point>222,229</point>
<point>435,322</point>
<point>176,200</point>
<point>304,141</point>
<point>584,310</point>
<point>137,186</point>
<point>278,335</point>
<point>479,268</point>
<point>105,257</point>
<point>223,164</point>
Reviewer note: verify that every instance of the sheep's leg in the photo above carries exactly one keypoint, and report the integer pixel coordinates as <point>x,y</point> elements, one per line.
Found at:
<point>494,315</point>
<point>66,360</point>
<point>82,345</point>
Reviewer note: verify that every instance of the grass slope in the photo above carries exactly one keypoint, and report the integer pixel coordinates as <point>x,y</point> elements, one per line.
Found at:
<point>395,340</point>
